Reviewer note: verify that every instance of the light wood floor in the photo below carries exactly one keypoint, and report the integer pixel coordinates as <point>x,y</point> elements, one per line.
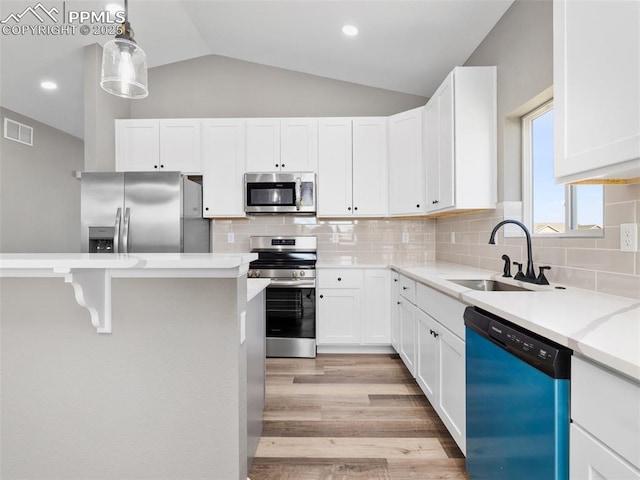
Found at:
<point>351,417</point>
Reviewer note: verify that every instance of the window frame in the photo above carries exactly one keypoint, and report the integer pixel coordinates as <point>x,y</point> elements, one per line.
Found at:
<point>570,193</point>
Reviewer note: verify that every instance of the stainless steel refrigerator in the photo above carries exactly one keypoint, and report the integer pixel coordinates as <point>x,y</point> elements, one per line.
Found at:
<point>140,212</point>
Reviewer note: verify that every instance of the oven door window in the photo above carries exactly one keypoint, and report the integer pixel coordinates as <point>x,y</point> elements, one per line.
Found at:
<point>270,194</point>
<point>291,312</point>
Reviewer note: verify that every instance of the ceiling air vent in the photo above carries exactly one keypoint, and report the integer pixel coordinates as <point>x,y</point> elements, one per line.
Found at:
<point>18,132</point>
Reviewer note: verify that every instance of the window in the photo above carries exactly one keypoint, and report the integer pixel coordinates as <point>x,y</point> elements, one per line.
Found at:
<point>550,208</point>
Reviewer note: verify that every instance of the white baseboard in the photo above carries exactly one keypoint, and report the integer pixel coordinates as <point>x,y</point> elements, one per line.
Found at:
<point>355,349</point>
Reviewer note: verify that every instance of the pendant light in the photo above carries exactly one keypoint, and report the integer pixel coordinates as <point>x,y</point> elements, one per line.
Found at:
<point>124,64</point>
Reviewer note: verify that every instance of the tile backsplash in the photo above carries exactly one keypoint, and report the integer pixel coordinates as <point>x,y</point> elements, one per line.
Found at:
<point>366,240</point>
<point>591,263</point>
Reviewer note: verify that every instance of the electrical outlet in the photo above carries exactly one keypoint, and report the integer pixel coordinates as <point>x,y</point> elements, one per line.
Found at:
<point>231,238</point>
<point>335,237</point>
<point>405,237</point>
<point>628,237</point>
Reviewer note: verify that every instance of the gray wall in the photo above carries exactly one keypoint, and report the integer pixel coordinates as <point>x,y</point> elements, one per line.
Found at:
<point>100,109</point>
<point>215,86</point>
<point>521,45</point>
<point>39,197</point>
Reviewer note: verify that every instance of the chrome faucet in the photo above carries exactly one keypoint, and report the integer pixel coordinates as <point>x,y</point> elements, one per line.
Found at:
<point>530,275</point>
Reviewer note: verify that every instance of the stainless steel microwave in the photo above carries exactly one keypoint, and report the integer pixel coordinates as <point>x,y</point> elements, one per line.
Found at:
<point>280,193</point>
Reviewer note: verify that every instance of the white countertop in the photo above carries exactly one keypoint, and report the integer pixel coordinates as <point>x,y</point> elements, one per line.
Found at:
<point>12,264</point>
<point>602,327</point>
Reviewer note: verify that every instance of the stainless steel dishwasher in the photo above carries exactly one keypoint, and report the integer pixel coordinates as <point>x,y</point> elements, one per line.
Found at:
<point>517,401</point>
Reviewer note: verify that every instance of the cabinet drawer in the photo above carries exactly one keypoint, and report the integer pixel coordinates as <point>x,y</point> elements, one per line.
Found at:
<point>426,299</point>
<point>408,289</point>
<point>339,278</point>
<point>446,310</point>
<point>606,405</point>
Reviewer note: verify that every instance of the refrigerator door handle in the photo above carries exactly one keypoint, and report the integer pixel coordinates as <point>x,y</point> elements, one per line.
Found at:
<point>116,231</point>
<point>125,230</point>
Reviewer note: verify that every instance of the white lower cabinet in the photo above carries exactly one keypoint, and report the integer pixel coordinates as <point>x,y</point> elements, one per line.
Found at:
<point>353,307</point>
<point>432,347</point>
<point>408,334</point>
<point>605,412</point>
<point>591,459</point>
<point>395,311</point>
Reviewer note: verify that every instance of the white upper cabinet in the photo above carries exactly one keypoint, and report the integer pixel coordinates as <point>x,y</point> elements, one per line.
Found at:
<point>180,145</point>
<point>299,145</point>
<point>352,167</point>
<point>263,145</point>
<point>335,194</point>
<point>137,145</point>
<point>597,89</point>
<point>460,142</point>
<point>287,145</point>
<point>406,164</point>
<point>158,145</point>
<point>370,181</point>
<point>223,166</point>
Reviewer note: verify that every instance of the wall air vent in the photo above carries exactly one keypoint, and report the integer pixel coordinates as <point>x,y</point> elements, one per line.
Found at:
<point>18,132</point>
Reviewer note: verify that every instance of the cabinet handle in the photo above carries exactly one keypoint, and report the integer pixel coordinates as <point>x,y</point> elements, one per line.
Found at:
<point>435,201</point>
<point>355,208</point>
<point>418,205</point>
<point>405,288</point>
<point>277,165</point>
<point>321,296</point>
<point>399,302</point>
<point>206,208</point>
<point>283,165</point>
<point>161,166</point>
<point>349,208</point>
<point>155,166</point>
<point>395,279</point>
<point>339,279</point>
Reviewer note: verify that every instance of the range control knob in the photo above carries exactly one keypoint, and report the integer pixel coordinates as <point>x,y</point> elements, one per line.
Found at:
<point>302,274</point>
<point>257,274</point>
<point>294,274</point>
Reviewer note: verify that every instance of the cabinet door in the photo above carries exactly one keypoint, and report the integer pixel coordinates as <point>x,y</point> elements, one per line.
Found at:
<point>223,162</point>
<point>377,299</point>
<point>452,387</point>
<point>137,145</point>
<point>370,178</point>
<point>406,165</point>
<point>339,312</point>
<point>334,168</point>
<point>596,88</point>
<point>439,147</point>
<point>590,459</point>
<point>299,145</point>
<point>428,363</point>
<point>395,311</point>
<point>263,145</point>
<point>408,335</point>
<point>180,146</point>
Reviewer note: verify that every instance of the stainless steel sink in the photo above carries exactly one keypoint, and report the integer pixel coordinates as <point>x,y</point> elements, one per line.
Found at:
<point>490,286</point>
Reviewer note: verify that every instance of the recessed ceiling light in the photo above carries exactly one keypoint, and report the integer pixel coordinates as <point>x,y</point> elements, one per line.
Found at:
<point>350,30</point>
<point>49,85</point>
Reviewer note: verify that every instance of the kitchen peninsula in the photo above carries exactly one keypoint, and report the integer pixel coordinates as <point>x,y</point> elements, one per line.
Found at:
<point>163,395</point>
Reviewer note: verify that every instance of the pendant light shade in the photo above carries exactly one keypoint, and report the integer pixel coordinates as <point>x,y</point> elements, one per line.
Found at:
<point>124,65</point>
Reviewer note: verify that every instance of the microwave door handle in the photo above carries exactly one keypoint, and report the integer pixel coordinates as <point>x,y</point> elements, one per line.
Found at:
<point>125,230</point>
<point>116,231</point>
<point>298,193</point>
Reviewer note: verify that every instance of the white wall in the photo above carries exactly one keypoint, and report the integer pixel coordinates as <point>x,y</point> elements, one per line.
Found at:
<point>39,196</point>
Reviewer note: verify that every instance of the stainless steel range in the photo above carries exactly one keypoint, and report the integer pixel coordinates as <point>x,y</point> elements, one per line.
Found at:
<point>290,263</point>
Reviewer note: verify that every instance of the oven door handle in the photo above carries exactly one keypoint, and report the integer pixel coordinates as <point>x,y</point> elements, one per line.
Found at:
<point>279,283</point>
